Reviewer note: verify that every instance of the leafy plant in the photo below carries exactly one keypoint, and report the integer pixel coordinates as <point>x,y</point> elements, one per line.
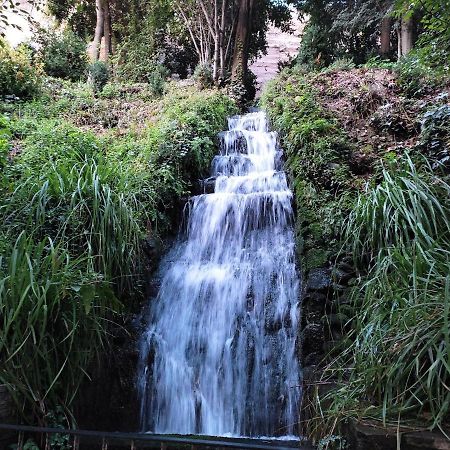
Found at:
<point>203,76</point>
<point>18,76</point>
<point>157,80</point>
<point>54,309</point>
<point>63,55</point>
<point>398,362</point>
<point>98,76</point>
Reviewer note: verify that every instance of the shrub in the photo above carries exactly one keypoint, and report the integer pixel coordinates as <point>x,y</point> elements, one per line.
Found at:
<point>157,80</point>
<point>418,74</point>
<point>18,77</point>
<point>63,55</point>
<point>98,75</point>
<point>203,76</point>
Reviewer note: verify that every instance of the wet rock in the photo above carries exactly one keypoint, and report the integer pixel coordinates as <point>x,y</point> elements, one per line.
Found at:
<point>312,359</point>
<point>312,338</point>
<point>151,247</point>
<point>310,373</point>
<point>318,280</point>
<point>425,440</point>
<point>208,185</point>
<point>313,316</point>
<point>153,287</point>
<point>342,276</point>
<point>314,301</point>
<point>373,436</point>
<point>364,437</point>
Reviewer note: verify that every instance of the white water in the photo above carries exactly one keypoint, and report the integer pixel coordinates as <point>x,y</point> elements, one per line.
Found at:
<point>218,356</point>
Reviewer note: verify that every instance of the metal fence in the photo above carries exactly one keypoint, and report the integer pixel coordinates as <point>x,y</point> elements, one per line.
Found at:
<point>104,440</point>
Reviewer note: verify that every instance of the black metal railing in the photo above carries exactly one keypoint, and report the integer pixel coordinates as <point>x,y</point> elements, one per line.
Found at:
<point>103,440</point>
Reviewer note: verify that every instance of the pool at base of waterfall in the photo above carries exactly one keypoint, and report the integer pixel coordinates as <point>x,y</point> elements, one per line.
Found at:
<point>219,354</point>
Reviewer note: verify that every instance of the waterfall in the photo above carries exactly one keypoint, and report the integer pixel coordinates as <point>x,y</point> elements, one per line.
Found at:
<point>218,356</point>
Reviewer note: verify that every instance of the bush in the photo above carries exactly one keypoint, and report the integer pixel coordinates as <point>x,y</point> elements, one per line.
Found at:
<point>419,73</point>
<point>157,80</point>
<point>63,55</point>
<point>98,76</point>
<point>203,76</point>
<point>18,77</point>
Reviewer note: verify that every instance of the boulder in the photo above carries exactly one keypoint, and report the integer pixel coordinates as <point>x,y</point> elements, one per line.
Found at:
<point>318,280</point>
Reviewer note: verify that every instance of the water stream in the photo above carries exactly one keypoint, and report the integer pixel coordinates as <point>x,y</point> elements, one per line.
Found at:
<point>218,356</point>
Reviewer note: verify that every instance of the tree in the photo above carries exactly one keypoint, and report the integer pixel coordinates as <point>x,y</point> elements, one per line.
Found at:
<point>241,46</point>
<point>353,29</point>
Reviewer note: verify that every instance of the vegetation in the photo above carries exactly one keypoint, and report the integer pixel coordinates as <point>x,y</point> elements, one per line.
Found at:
<point>63,55</point>
<point>317,159</point>
<point>75,209</point>
<point>18,77</point>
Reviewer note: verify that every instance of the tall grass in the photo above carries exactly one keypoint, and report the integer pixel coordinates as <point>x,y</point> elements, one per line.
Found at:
<point>53,311</point>
<point>398,366</point>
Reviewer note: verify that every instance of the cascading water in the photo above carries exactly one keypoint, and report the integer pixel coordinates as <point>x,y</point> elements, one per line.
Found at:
<point>219,354</point>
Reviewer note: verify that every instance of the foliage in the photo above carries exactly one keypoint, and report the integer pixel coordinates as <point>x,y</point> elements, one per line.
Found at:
<point>399,357</point>
<point>340,30</point>
<point>53,310</point>
<point>157,80</point>
<point>435,135</point>
<point>418,73</point>
<point>435,17</point>
<point>18,76</point>
<point>98,75</point>
<point>73,216</point>
<point>63,54</point>
<point>203,76</point>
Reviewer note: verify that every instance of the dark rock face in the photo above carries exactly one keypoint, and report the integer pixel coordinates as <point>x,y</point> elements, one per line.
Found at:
<point>319,279</point>
<point>109,400</point>
<point>312,338</point>
<point>208,185</point>
<point>373,436</point>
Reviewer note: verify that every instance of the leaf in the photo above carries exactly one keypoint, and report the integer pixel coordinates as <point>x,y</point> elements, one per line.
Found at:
<point>87,295</point>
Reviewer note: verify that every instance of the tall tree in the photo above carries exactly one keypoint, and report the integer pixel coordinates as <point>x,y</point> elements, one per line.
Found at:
<point>241,46</point>
<point>94,49</point>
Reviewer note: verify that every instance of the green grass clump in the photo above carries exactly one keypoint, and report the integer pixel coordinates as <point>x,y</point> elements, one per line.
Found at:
<point>398,367</point>
<point>54,312</point>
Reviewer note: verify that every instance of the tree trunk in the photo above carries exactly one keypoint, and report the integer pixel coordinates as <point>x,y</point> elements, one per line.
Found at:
<point>222,49</point>
<point>216,42</point>
<point>405,36</point>
<point>107,29</point>
<point>240,56</point>
<point>95,45</point>
<point>385,37</point>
